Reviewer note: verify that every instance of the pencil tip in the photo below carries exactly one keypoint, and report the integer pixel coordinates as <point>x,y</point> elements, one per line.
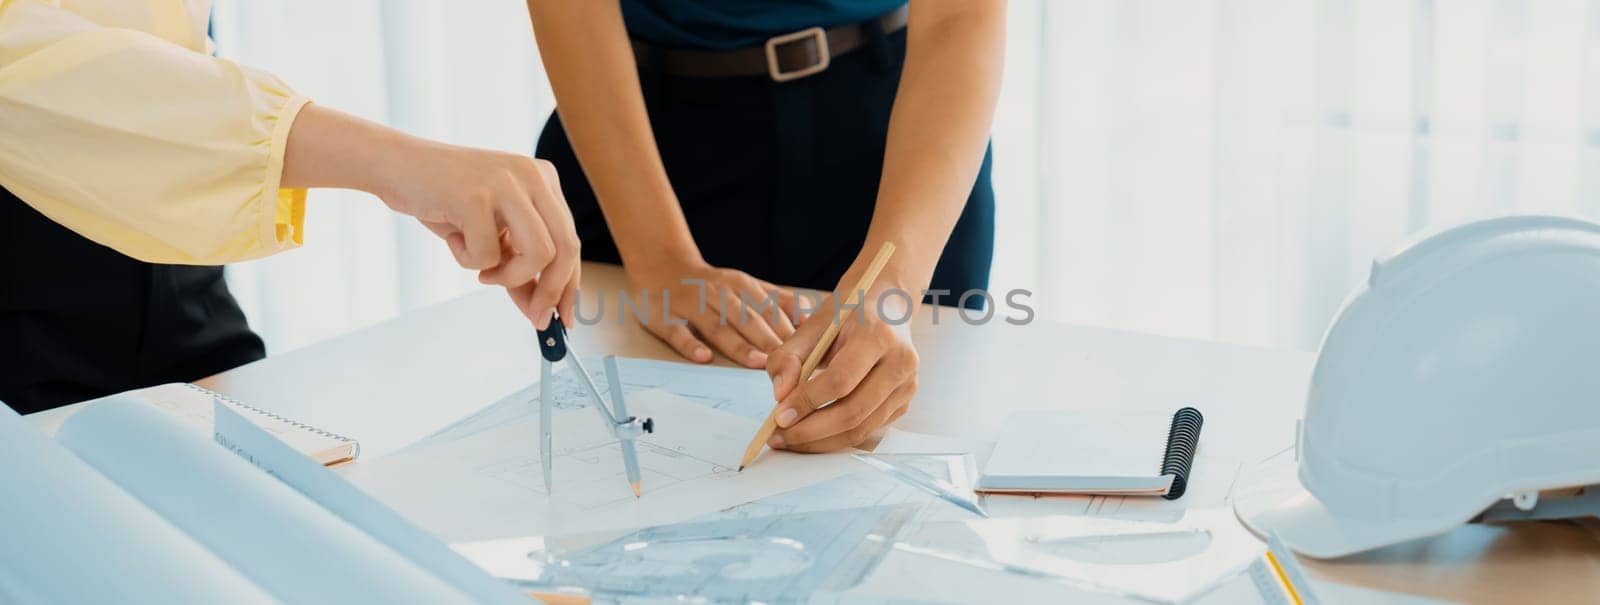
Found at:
<point>635,486</point>
<point>741,468</point>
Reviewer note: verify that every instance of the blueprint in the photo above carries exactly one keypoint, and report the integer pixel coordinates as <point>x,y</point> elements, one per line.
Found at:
<point>742,392</point>
<point>490,484</point>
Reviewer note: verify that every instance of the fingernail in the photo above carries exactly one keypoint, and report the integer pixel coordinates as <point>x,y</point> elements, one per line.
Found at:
<point>776,442</point>
<point>786,417</point>
<point>757,357</point>
<point>777,383</point>
<point>702,353</point>
<point>541,319</point>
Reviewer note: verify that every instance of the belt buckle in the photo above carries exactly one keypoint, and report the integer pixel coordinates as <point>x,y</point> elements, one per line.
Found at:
<point>777,73</point>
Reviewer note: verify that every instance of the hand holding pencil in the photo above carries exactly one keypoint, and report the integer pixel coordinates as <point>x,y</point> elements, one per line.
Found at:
<point>870,376</point>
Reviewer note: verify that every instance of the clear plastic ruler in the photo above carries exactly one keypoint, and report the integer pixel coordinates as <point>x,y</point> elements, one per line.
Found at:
<point>1278,578</point>
<point>777,559</point>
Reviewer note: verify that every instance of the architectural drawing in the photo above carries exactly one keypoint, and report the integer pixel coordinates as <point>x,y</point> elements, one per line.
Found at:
<point>745,393</point>
<point>687,465</point>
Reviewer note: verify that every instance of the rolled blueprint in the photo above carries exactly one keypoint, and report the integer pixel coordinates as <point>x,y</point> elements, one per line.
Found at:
<point>283,541</point>
<point>366,513</point>
<point>70,535</point>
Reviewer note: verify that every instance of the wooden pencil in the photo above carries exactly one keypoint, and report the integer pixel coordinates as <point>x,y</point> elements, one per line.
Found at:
<point>556,598</point>
<point>852,302</point>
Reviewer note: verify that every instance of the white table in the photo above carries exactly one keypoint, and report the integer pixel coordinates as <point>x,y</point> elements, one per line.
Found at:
<point>435,365</point>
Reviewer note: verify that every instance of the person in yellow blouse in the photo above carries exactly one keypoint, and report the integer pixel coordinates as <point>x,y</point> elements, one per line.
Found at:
<point>133,163</point>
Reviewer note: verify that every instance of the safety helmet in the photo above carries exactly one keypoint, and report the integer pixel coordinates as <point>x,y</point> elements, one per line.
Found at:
<point>1466,370</point>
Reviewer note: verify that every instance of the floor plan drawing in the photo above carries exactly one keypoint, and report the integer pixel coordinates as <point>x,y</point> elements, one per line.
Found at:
<point>742,392</point>
<point>589,480</point>
<point>688,468</point>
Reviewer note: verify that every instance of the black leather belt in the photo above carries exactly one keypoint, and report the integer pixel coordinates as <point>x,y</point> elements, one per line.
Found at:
<point>787,57</point>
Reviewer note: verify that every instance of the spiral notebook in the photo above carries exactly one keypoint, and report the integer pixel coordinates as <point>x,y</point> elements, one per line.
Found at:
<point>1120,453</point>
<point>193,404</point>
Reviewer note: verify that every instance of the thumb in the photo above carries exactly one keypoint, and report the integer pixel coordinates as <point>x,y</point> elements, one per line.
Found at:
<point>785,362</point>
<point>520,295</point>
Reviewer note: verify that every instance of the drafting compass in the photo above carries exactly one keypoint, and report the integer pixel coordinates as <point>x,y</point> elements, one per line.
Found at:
<point>553,347</point>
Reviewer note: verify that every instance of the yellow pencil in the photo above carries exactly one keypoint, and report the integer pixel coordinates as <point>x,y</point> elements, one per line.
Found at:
<point>852,302</point>
<point>555,598</point>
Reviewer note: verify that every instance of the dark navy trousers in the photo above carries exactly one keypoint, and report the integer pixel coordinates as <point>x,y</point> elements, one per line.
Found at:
<point>779,180</point>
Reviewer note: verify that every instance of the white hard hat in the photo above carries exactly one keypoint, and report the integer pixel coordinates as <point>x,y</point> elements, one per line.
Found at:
<point>1464,371</point>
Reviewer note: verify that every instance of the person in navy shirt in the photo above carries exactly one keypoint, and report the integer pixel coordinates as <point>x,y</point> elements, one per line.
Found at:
<point>717,147</point>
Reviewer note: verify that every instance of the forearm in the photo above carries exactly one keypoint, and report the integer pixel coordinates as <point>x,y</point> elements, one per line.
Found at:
<point>937,132</point>
<point>591,68</point>
<point>499,213</point>
<point>331,149</point>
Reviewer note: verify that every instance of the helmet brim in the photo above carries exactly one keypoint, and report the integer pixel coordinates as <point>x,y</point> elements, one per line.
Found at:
<point>1306,526</point>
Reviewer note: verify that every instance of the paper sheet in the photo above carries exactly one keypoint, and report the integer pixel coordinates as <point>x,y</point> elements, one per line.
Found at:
<point>70,535</point>
<point>897,441</point>
<point>284,542</point>
<point>1079,451</point>
<point>1166,562</point>
<point>742,392</point>
<point>490,484</point>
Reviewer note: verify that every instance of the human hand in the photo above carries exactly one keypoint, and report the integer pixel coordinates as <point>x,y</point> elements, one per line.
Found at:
<point>870,377</point>
<point>501,214</point>
<point>705,305</point>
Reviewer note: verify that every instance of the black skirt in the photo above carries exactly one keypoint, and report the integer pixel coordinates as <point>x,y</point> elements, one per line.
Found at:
<point>779,180</point>
<point>79,320</point>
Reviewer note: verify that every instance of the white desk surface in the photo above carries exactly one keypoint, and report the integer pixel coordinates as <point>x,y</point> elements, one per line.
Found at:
<point>436,364</point>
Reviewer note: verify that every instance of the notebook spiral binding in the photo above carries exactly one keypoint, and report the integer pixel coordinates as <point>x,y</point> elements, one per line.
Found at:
<point>294,423</point>
<point>1182,439</point>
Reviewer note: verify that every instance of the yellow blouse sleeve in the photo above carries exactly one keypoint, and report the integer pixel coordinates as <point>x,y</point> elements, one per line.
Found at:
<point>131,140</point>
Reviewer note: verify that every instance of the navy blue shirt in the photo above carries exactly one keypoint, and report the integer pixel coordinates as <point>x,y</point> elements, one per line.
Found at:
<point>737,23</point>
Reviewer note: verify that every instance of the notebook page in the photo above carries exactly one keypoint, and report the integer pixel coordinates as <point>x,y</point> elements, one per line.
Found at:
<point>287,544</point>
<point>1081,444</point>
<point>73,536</point>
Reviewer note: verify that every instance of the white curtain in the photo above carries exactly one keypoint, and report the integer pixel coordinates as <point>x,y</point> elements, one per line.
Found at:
<point>1221,169</point>
<point>1228,169</point>
<point>463,72</point>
